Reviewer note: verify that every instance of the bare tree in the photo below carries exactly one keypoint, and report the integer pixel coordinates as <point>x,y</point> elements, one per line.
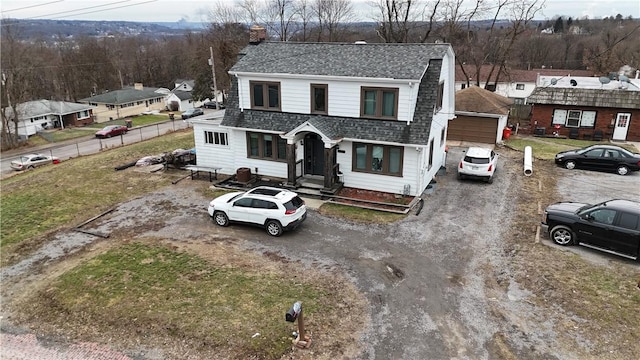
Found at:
<point>305,16</point>
<point>21,73</point>
<point>396,19</point>
<point>330,14</point>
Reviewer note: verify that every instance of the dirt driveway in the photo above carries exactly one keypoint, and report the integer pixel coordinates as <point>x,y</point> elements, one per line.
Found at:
<point>439,283</point>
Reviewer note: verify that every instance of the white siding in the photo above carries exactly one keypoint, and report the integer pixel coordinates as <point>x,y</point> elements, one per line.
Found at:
<point>385,183</point>
<point>344,96</point>
<point>230,158</point>
<point>212,155</point>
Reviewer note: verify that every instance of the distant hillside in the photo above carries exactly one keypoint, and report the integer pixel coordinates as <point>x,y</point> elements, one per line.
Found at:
<point>53,29</point>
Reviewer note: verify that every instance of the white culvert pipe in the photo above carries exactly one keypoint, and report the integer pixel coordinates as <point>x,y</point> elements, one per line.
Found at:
<point>528,161</point>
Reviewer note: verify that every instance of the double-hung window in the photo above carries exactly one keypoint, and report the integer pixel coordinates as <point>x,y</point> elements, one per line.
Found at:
<point>574,118</point>
<point>266,146</point>
<point>319,98</point>
<point>379,103</point>
<point>265,95</point>
<point>379,159</point>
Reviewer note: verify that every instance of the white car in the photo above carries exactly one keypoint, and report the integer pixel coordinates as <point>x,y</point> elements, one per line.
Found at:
<point>31,161</point>
<point>478,163</point>
<point>272,208</point>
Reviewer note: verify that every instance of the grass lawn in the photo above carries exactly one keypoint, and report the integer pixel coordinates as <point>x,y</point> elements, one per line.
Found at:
<point>31,203</point>
<point>89,130</point>
<point>208,298</point>
<point>547,148</point>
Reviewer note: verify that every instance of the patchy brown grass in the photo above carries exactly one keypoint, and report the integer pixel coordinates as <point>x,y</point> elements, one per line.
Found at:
<point>206,299</point>
<point>605,297</point>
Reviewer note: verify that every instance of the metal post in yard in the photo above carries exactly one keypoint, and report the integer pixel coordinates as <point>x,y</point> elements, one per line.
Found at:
<point>78,148</point>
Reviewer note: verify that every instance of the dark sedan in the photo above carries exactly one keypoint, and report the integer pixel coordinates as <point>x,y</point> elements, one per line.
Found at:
<point>212,105</point>
<point>600,157</point>
<point>191,113</point>
<point>112,130</point>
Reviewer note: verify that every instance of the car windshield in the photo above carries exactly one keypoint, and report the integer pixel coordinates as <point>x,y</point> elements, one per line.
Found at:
<point>476,160</point>
<point>23,159</point>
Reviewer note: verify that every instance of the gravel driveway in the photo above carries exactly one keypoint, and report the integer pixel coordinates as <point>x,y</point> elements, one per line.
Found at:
<point>431,279</point>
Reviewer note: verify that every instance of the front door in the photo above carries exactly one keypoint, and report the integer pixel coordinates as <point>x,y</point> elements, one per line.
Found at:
<point>621,127</point>
<point>313,155</point>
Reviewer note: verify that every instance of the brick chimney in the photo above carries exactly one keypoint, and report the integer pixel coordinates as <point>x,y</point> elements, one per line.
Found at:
<point>138,86</point>
<point>257,34</point>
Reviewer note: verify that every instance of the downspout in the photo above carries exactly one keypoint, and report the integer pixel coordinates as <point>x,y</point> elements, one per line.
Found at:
<point>240,101</point>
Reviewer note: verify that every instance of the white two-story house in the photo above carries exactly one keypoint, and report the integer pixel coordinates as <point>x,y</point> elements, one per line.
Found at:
<point>368,116</point>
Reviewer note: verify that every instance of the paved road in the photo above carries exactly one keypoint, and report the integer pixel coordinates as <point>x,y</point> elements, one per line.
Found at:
<point>91,145</point>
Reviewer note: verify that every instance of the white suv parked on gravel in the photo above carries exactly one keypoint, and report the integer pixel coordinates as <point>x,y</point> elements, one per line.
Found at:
<point>273,208</point>
<point>479,163</point>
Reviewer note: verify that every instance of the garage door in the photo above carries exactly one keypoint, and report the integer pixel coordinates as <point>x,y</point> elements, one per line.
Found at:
<point>473,129</point>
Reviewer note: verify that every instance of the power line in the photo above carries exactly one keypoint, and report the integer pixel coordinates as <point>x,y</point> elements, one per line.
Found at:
<point>113,8</point>
<point>32,6</point>
<point>75,12</point>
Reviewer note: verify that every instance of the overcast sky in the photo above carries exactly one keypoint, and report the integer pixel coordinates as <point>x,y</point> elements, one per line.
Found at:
<point>197,10</point>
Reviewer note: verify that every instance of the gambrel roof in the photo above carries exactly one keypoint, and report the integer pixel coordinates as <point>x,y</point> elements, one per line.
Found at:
<point>388,61</point>
<point>603,98</point>
<point>419,62</point>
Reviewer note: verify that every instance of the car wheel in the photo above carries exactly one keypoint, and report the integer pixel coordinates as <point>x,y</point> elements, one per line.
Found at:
<point>562,235</point>
<point>30,167</point>
<point>490,180</point>
<point>220,218</point>
<point>622,170</point>
<point>570,165</point>
<point>274,228</point>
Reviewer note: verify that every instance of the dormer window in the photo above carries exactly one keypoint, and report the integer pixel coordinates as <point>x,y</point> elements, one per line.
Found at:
<point>379,103</point>
<point>319,98</point>
<point>265,95</point>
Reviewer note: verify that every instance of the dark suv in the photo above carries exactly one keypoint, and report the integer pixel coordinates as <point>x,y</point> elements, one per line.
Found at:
<point>612,226</point>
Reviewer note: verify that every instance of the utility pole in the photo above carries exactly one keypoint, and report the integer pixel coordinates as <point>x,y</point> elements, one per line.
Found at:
<point>213,72</point>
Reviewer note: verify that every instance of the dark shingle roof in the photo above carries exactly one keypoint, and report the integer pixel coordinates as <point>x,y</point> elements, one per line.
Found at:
<point>183,95</point>
<point>624,99</point>
<point>336,127</point>
<point>392,61</point>
<point>124,96</point>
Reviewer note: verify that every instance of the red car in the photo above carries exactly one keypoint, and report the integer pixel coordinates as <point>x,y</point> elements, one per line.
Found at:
<point>112,130</point>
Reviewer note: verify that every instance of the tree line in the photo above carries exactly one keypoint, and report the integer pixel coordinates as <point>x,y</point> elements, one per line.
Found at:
<point>501,33</point>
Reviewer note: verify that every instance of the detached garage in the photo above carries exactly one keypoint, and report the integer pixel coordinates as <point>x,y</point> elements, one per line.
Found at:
<point>480,116</point>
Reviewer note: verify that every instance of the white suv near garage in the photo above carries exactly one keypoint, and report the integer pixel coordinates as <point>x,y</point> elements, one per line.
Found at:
<point>272,208</point>
<point>479,163</point>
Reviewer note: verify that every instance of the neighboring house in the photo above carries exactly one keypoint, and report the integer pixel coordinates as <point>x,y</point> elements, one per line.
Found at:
<point>368,116</point>
<point>587,108</point>
<point>34,116</point>
<point>119,104</point>
<point>183,85</point>
<point>179,100</point>
<point>481,116</point>
<point>512,83</point>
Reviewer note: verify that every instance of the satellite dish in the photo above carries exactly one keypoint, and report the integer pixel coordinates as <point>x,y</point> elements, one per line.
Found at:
<point>623,78</point>
<point>573,82</point>
<point>604,80</point>
<point>554,81</point>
